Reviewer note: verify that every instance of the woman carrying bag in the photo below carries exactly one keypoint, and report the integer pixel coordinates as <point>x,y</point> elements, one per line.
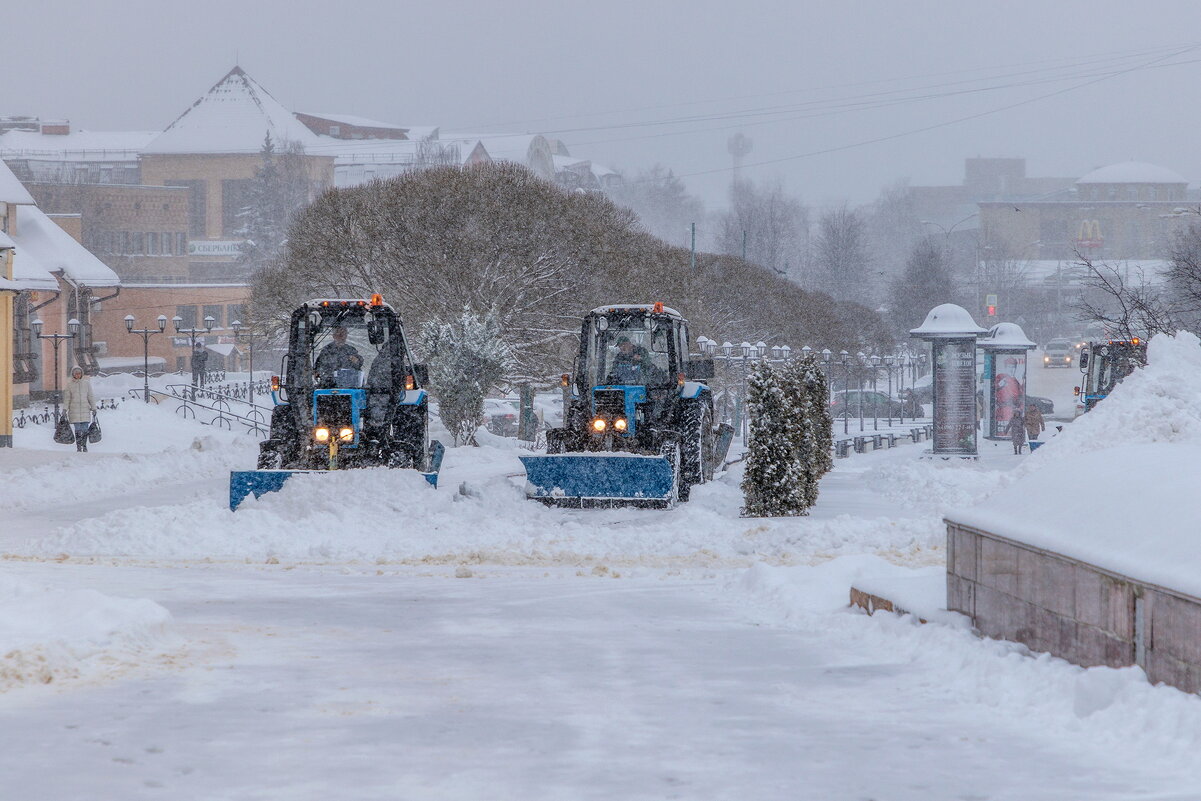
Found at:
<point>80,406</point>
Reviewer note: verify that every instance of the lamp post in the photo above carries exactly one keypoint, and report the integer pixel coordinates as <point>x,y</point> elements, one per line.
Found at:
<point>843,356</point>
<point>73,329</point>
<point>146,333</point>
<point>861,360</point>
<point>250,344</point>
<point>888,360</point>
<point>177,321</point>
<point>875,359</point>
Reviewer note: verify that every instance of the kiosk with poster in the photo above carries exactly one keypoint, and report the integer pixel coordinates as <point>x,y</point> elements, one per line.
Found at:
<point>952,334</point>
<point>1005,349</point>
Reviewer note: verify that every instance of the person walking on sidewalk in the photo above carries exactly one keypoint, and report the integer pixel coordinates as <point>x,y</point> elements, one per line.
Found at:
<point>1034,422</point>
<point>80,405</point>
<point>1017,431</point>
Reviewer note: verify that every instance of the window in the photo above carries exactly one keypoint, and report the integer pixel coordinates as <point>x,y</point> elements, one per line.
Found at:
<point>138,243</point>
<point>188,314</point>
<point>236,311</point>
<point>217,313</point>
<point>152,243</point>
<point>197,210</point>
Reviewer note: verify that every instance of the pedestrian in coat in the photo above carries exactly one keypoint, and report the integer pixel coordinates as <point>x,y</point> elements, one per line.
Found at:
<point>200,359</point>
<point>1017,431</point>
<point>1034,422</point>
<point>80,404</point>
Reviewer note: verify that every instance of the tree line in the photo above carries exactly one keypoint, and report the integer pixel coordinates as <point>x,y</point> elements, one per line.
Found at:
<point>498,241</point>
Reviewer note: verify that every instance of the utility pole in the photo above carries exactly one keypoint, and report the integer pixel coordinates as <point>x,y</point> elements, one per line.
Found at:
<point>744,244</point>
<point>692,262</point>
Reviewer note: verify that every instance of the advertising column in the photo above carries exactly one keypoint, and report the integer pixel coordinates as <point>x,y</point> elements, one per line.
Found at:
<point>952,334</point>
<point>1005,349</point>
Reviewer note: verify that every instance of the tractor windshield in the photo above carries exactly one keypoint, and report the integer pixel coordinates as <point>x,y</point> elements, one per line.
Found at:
<point>626,352</point>
<point>341,353</point>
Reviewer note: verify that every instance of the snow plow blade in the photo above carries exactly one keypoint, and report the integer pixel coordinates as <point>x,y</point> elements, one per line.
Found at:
<point>598,479</point>
<point>243,483</point>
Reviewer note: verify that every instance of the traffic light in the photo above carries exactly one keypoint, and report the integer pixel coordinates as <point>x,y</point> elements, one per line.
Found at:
<point>992,311</point>
<point>990,303</point>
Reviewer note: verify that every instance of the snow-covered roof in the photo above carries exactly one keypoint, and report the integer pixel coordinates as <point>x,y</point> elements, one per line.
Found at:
<point>946,321</point>
<point>1006,336</point>
<point>75,146</point>
<point>1132,172</point>
<point>28,272</point>
<point>54,249</point>
<point>350,119</point>
<point>12,190</point>
<point>1071,271</point>
<point>232,117</point>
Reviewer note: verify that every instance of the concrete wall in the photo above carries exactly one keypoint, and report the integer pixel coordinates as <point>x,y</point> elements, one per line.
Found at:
<point>1071,609</point>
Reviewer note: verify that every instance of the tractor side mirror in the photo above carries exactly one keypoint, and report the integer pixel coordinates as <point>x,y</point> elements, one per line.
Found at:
<point>1084,360</point>
<point>699,369</point>
<point>422,373</point>
<point>376,332</point>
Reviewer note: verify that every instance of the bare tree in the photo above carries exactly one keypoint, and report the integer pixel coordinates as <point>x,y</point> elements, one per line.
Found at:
<point>926,282</point>
<point>840,257</point>
<point>1129,307</point>
<point>773,225</point>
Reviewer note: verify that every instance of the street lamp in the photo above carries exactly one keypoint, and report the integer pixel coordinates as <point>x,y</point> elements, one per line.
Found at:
<point>843,357</point>
<point>146,334</point>
<point>236,325</point>
<point>73,329</point>
<point>888,360</point>
<point>177,321</point>
<point>862,361</point>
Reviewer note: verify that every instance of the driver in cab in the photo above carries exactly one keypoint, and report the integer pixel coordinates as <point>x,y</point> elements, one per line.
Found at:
<point>629,365</point>
<point>335,356</point>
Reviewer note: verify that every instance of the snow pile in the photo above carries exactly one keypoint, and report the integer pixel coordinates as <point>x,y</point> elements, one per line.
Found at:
<point>478,515</point>
<point>49,634</point>
<point>935,486</point>
<point>1158,403</point>
<point>988,679</point>
<point>1117,489</point>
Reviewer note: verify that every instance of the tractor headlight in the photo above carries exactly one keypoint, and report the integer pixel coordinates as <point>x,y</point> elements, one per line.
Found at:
<point>620,424</point>
<point>599,424</point>
<point>321,434</point>
<point>346,434</point>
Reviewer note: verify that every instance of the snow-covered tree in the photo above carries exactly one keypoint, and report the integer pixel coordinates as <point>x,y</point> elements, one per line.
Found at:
<point>773,225</point>
<point>773,483</point>
<point>812,425</point>
<point>840,257</point>
<point>466,358</point>
<point>280,188</point>
<point>926,282</point>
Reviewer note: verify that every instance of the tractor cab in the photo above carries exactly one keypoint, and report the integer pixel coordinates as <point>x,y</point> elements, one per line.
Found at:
<point>350,393</point>
<point>638,428</point>
<point>632,367</point>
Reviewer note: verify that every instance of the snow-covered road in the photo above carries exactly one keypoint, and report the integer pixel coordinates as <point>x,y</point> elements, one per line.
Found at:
<point>515,684</point>
<point>319,644</point>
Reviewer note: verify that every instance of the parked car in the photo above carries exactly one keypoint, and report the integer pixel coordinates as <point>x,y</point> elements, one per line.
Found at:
<point>1059,353</point>
<point>874,404</point>
<point>500,416</point>
<point>1045,405</point>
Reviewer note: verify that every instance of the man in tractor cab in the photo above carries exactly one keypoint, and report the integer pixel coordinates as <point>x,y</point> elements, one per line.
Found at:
<point>629,365</point>
<point>335,356</point>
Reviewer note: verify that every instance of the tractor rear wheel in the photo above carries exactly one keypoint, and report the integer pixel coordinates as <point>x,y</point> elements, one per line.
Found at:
<point>696,451</point>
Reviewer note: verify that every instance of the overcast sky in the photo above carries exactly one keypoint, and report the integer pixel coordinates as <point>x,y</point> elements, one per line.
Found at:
<point>793,76</point>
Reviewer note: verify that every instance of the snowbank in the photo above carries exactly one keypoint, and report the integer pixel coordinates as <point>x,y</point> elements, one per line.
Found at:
<point>1117,488</point>
<point>51,634</point>
<point>478,515</point>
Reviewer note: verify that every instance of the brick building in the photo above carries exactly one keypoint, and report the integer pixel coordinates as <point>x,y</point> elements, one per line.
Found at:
<point>214,150</point>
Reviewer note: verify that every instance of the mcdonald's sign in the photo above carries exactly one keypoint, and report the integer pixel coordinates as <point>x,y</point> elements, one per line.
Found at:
<point>1089,235</point>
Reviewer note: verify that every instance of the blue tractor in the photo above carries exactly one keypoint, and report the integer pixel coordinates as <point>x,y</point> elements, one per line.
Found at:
<point>350,395</point>
<point>638,428</point>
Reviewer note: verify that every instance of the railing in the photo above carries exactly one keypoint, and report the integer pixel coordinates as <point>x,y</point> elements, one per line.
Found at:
<point>28,417</point>
<point>217,400</point>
